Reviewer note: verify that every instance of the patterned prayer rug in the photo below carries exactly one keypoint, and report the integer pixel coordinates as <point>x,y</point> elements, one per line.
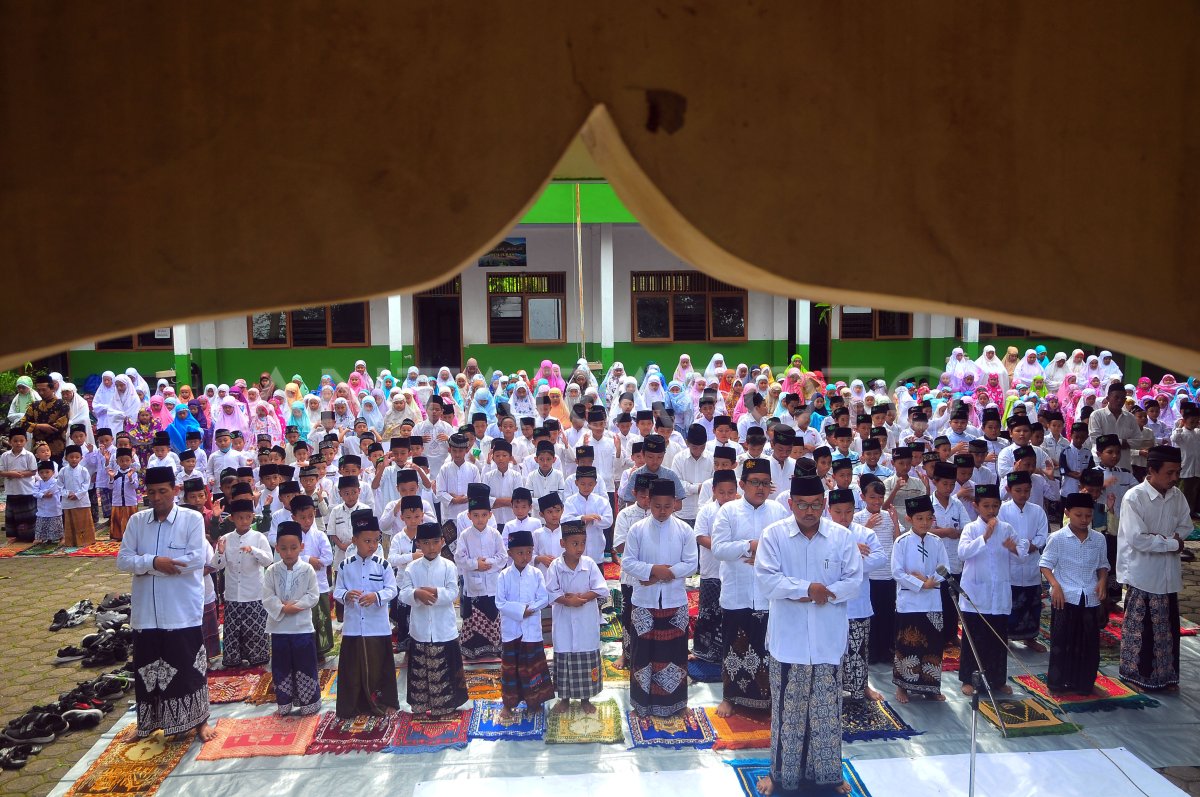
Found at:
<point>328,681</point>
<point>705,672</point>
<point>483,684</point>
<point>740,731</point>
<point>611,571</point>
<point>864,720</point>
<point>13,548</point>
<point>129,767</point>
<point>99,548</point>
<point>1110,693</point>
<point>613,676</point>
<point>359,735</point>
<point>612,631</point>
<point>224,688</point>
<point>691,730</point>
<point>525,725</point>
<point>420,735</point>
<point>264,691</point>
<point>693,599</point>
<point>1116,621</point>
<point>574,726</point>
<point>259,736</point>
<point>44,549</point>
<point>749,770</point>
<point>1027,717</point>
<point>615,602</point>
<point>951,658</point>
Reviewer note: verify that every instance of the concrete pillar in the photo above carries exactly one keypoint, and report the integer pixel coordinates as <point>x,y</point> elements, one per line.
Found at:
<point>395,336</point>
<point>183,355</point>
<point>970,337</point>
<point>607,334</point>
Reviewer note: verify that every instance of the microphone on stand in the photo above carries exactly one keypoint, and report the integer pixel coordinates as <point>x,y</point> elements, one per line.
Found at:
<point>951,580</point>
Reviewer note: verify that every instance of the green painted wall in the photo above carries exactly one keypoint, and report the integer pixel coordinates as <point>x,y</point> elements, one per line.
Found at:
<point>598,204</point>
<point>888,359</point>
<point>84,363</point>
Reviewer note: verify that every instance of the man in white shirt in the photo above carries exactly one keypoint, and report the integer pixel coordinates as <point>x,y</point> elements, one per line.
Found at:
<point>694,466</point>
<point>453,478</point>
<point>436,434</point>
<point>1154,522</point>
<point>1112,419</point>
<point>736,535</point>
<point>809,568</point>
<point>164,548</point>
<point>660,553</point>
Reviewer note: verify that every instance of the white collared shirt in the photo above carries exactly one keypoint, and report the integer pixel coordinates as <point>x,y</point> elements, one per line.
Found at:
<point>159,600</point>
<point>787,563</point>
<point>576,628</point>
<point>692,472</point>
<point>985,567</point>
<point>75,480</point>
<point>577,506</point>
<point>912,553</point>
<point>453,480</point>
<point>372,574</point>
<point>1188,443</point>
<point>1147,552</point>
<point>1076,564</point>
<point>435,623</point>
<point>650,543</point>
<point>315,544</point>
<point>710,566</point>
<point>1032,525</point>
<point>627,518</point>
<point>738,523</point>
<point>516,592</point>
<point>474,545</point>
<point>298,585</point>
<point>502,485</point>
<point>244,571</point>
<point>859,607</point>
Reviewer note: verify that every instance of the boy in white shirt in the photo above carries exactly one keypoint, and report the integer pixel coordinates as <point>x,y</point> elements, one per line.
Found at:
<point>18,466</point>
<point>708,640</point>
<point>575,586</point>
<point>78,528</point>
<point>590,509</point>
<point>242,554</point>
<point>48,526</point>
<point>859,611</point>
<point>289,595</point>
<point>546,478</point>
<point>626,519</point>
<point>480,555</point>
<point>520,597</point>
<point>163,456</point>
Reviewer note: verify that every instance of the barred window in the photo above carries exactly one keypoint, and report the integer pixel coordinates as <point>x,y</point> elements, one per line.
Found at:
<point>682,306</point>
<point>330,325</point>
<point>527,308</point>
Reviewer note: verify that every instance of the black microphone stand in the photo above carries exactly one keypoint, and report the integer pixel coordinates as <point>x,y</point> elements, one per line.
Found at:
<point>977,679</point>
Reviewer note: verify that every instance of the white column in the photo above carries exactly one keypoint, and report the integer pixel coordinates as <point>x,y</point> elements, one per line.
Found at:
<point>395,323</point>
<point>803,316</point>
<point>607,336</point>
<point>970,330</point>
<point>179,333</point>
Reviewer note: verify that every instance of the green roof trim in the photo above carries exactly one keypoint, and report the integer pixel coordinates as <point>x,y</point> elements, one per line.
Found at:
<point>597,201</point>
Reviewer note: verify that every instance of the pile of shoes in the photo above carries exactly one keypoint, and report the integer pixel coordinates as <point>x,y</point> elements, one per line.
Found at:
<point>113,640</point>
<point>76,615</point>
<point>81,708</point>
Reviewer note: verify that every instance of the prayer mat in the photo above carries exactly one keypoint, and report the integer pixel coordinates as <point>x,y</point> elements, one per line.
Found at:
<point>419,735</point>
<point>1116,621</point>
<point>361,734</point>
<point>612,631</point>
<point>691,730</point>
<point>864,720</point>
<point>1109,694</point>
<point>130,767</point>
<point>259,736</point>
<point>611,571</point>
<point>613,676</point>
<point>574,726</point>
<point>1027,717</point>
<point>13,548</point>
<point>525,725</point>
<point>749,770</point>
<point>223,688</point>
<point>483,684</point>
<point>615,601</point>
<point>327,679</point>
<point>43,549</point>
<point>264,691</point>
<point>1195,535</point>
<point>693,599</point>
<point>100,548</point>
<point>740,731</point>
<point>705,672</point>
<point>951,658</point>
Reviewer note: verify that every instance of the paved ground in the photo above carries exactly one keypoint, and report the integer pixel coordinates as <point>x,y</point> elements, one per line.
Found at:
<point>36,587</point>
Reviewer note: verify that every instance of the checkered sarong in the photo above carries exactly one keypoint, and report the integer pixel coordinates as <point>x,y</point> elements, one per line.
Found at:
<point>578,675</point>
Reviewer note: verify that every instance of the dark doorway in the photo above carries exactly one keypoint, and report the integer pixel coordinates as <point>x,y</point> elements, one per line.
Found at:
<point>439,326</point>
<point>818,336</point>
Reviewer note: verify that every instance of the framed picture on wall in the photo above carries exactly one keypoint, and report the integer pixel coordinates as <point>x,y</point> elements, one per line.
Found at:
<point>509,253</point>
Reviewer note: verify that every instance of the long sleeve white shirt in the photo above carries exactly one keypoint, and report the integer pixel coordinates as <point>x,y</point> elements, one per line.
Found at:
<point>75,480</point>
<point>316,545</point>
<point>543,484</point>
<point>1032,526</point>
<point>390,522</point>
<point>547,542</point>
<point>1004,460</point>
<point>244,570</point>
<point>1103,422</point>
<point>1188,443</point>
<point>886,533</point>
<point>453,480</point>
<point>502,485</point>
<point>372,574</point>
<point>436,450</point>
<point>787,564</point>
<point>474,545</point>
<point>626,519</point>
<point>736,525</point>
<point>577,506</point>
<point>435,623</point>
<point>692,471</point>
<point>913,553</point>
<point>516,591</point>
<point>951,516</point>
<point>159,600</point>
<point>576,628</point>
<point>710,566</point>
<point>985,567</point>
<point>671,543</point>
<point>1147,551</point>
<point>859,607</point>
<point>338,527</point>
<point>298,585</point>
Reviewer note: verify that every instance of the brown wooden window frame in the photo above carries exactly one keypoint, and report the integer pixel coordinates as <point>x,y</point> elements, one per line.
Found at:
<point>874,326</point>
<point>329,344</point>
<point>556,288</point>
<point>666,285</point>
<point>135,343</point>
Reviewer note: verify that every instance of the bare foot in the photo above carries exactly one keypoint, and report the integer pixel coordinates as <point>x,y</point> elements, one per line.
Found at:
<point>561,706</point>
<point>207,732</point>
<point>901,694</point>
<point>586,706</point>
<point>844,788</point>
<point>872,694</point>
<point>506,714</point>
<point>726,709</point>
<point>937,698</point>
<point>1035,646</point>
<point>1005,690</point>
<point>619,663</point>
<point>968,690</point>
<point>765,785</point>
